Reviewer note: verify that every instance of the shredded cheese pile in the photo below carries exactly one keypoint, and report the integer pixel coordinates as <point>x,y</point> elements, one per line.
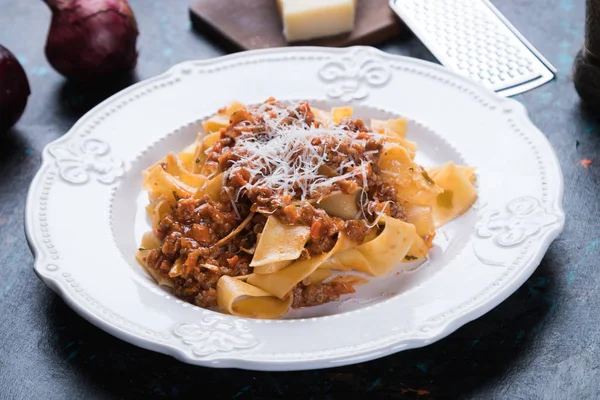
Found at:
<point>285,158</point>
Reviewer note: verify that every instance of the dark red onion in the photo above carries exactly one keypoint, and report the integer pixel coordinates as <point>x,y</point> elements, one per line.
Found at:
<point>91,39</point>
<point>14,89</point>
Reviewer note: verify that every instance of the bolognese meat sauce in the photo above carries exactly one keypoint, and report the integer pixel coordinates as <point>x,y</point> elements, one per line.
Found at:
<point>196,250</point>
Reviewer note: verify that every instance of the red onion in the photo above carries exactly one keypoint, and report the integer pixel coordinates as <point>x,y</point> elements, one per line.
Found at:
<point>91,39</point>
<point>14,89</point>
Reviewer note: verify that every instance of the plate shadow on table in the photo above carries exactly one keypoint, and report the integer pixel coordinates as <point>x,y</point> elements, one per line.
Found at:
<point>13,142</point>
<point>14,151</point>
<point>484,351</point>
<point>76,98</point>
<point>587,114</point>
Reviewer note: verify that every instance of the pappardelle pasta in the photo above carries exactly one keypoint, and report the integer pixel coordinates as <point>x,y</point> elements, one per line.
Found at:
<point>274,204</point>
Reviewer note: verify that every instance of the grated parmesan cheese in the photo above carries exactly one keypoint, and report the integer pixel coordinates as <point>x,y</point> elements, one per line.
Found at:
<point>284,158</point>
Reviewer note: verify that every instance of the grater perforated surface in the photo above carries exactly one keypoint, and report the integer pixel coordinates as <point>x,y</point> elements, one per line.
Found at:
<point>473,38</point>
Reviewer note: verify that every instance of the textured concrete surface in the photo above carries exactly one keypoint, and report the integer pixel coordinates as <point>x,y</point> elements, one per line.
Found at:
<point>540,343</point>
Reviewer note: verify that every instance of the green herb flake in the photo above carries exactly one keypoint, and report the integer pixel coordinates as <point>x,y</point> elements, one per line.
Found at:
<point>427,178</point>
<point>445,198</point>
<point>197,160</point>
<point>411,169</point>
<point>176,196</point>
<point>141,249</point>
<point>410,258</point>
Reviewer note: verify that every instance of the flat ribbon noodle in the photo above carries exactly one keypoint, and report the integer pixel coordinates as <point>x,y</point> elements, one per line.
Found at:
<point>212,188</point>
<point>412,183</point>
<point>353,280</point>
<point>466,171</point>
<point>188,152</point>
<point>318,276</point>
<point>335,263</point>
<point>162,281</point>
<point>159,208</point>
<point>188,160</point>
<point>200,155</point>
<point>395,132</point>
<point>215,123</point>
<point>282,282</point>
<point>322,116</point>
<point>339,204</point>
<point>242,299</point>
<point>175,167</point>
<point>159,182</point>
<point>378,256</point>
<point>458,196</point>
<point>398,126</point>
<point>421,217</point>
<point>150,242</point>
<point>272,267</point>
<point>409,145</point>
<point>339,113</point>
<point>221,119</point>
<point>279,242</point>
<point>418,250</point>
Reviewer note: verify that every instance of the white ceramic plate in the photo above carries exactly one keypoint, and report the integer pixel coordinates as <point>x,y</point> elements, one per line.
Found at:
<point>85,212</point>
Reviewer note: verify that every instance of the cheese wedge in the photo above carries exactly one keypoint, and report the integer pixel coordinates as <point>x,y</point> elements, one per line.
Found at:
<point>310,19</point>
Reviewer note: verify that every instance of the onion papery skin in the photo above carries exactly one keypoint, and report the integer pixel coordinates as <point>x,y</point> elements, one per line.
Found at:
<point>91,39</point>
<point>14,89</point>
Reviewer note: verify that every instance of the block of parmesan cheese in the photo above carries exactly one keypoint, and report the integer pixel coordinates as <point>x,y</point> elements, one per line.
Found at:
<point>310,19</point>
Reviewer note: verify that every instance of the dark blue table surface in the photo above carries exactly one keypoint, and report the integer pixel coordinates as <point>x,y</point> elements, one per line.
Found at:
<point>542,342</point>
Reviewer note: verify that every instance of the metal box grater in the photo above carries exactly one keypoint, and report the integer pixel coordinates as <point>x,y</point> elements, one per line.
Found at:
<point>474,39</point>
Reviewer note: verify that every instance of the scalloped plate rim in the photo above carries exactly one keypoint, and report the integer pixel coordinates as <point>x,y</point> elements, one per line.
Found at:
<point>232,361</point>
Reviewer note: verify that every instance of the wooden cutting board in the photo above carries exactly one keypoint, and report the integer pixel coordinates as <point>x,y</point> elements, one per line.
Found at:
<point>256,24</point>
